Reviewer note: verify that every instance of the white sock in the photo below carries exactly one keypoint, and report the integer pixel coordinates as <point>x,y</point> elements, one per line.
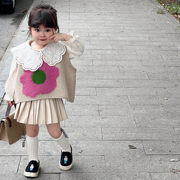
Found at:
<point>32,147</point>
<point>64,143</point>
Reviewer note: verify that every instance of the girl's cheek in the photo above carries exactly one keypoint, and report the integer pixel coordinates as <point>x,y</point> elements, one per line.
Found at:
<point>50,34</point>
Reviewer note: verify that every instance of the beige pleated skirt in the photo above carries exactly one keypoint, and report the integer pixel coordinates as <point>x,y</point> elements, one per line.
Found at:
<point>45,111</point>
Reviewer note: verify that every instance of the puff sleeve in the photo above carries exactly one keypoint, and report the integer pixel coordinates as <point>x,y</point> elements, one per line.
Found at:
<point>75,46</point>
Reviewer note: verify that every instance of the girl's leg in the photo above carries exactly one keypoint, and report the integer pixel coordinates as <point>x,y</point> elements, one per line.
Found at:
<point>32,141</point>
<point>32,169</point>
<point>55,132</point>
<point>65,162</point>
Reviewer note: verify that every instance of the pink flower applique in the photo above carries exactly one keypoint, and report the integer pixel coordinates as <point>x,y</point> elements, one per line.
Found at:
<point>42,81</point>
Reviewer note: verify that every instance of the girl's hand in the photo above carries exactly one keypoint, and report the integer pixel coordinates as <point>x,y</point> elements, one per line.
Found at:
<point>59,37</point>
<point>11,103</point>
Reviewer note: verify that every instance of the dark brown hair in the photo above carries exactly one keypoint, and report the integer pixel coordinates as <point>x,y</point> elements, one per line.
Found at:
<point>43,15</point>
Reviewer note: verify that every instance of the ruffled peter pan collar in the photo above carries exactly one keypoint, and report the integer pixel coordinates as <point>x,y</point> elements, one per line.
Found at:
<point>31,59</point>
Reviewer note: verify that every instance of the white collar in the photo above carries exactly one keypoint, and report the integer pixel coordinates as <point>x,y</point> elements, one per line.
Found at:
<point>31,59</point>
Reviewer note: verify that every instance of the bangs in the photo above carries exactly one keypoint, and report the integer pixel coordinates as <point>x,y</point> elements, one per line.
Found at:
<point>43,18</point>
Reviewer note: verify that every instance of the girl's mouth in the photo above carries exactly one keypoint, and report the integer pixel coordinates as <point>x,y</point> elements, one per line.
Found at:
<point>42,39</point>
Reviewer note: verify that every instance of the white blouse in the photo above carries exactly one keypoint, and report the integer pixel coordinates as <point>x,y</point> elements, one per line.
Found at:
<point>31,59</point>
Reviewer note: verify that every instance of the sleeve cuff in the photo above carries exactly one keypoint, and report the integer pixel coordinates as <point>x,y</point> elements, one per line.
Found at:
<point>8,98</point>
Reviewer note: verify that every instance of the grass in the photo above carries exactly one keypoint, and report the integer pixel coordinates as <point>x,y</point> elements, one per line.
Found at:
<point>161,11</point>
<point>173,8</point>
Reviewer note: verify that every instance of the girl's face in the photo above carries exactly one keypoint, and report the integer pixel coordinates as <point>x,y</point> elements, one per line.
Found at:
<point>40,36</point>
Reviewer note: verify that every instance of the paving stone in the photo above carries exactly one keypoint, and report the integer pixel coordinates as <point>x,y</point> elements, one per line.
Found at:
<point>139,133</point>
<point>97,100</point>
<point>156,84</point>
<point>165,176</point>
<point>99,83</point>
<point>89,176</point>
<point>157,119</point>
<point>113,76</point>
<point>81,91</point>
<point>95,69</point>
<point>157,70</point>
<point>90,134</point>
<point>153,63</point>
<point>161,147</point>
<point>141,164</point>
<point>168,91</point>
<point>161,75</point>
<point>124,91</point>
<point>2,89</point>
<point>175,70</point>
<point>177,130</point>
<point>20,176</point>
<point>107,176</point>
<point>137,57</point>
<point>11,167</point>
<point>118,63</point>
<point>99,121</point>
<point>83,110</point>
<point>143,100</point>
<point>124,110</point>
<point>15,149</point>
<point>171,109</point>
<point>80,133</point>
<point>104,148</point>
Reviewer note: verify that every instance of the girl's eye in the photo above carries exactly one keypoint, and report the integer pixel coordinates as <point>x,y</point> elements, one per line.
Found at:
<point>47,30</point>
<point>37,30</point>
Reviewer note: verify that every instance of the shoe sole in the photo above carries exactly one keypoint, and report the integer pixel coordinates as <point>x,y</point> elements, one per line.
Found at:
<point>29,174</point>
<point>65,168</point>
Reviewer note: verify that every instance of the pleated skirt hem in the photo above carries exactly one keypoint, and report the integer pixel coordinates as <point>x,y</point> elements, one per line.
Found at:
<point>44,111</point>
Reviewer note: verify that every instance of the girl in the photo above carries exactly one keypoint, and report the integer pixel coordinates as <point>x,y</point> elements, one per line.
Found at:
<point>41,75</point>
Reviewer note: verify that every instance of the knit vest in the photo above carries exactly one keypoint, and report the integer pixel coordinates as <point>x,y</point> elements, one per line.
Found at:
<point>58,82</point>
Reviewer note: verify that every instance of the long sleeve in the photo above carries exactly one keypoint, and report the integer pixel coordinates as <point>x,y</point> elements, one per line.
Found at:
<point>75,46</point>
<point>10,84</point>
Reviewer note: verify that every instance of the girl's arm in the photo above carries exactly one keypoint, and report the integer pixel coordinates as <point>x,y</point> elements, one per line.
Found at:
<point>73,43</point>
<point>60,37</point>
<point>10,84</point>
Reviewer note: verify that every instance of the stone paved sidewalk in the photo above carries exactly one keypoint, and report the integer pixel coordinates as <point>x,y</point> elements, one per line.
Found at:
<point>128,84</point>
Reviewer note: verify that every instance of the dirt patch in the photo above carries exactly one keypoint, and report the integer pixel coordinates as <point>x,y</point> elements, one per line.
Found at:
<point>172,6</point>
<point>168,1</point>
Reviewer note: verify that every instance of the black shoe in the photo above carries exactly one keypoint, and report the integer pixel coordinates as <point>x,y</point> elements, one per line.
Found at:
<point>66,160</point>
<point>32,169</point>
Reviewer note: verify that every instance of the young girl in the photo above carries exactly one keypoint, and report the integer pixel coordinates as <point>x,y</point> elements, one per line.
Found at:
<point>41,75</point>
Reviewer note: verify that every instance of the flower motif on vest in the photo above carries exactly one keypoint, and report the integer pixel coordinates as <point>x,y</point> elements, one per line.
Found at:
<point>41,81</point>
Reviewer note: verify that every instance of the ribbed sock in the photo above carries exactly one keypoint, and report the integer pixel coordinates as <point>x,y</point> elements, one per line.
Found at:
<point>64,143</point>
<point>32,147</point>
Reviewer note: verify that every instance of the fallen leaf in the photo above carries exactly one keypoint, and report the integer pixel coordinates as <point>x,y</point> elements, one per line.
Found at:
<point>80,151</point>
<point>24,11</point>
<point>132,147</point>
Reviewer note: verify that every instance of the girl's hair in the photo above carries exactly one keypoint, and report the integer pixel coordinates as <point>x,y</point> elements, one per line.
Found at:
<point>43,15</point>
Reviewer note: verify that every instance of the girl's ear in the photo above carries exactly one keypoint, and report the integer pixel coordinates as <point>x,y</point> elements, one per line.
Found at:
<point>29,29</point>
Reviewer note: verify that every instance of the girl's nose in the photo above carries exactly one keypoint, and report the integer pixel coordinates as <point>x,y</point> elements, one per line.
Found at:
<point>42,34</point>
